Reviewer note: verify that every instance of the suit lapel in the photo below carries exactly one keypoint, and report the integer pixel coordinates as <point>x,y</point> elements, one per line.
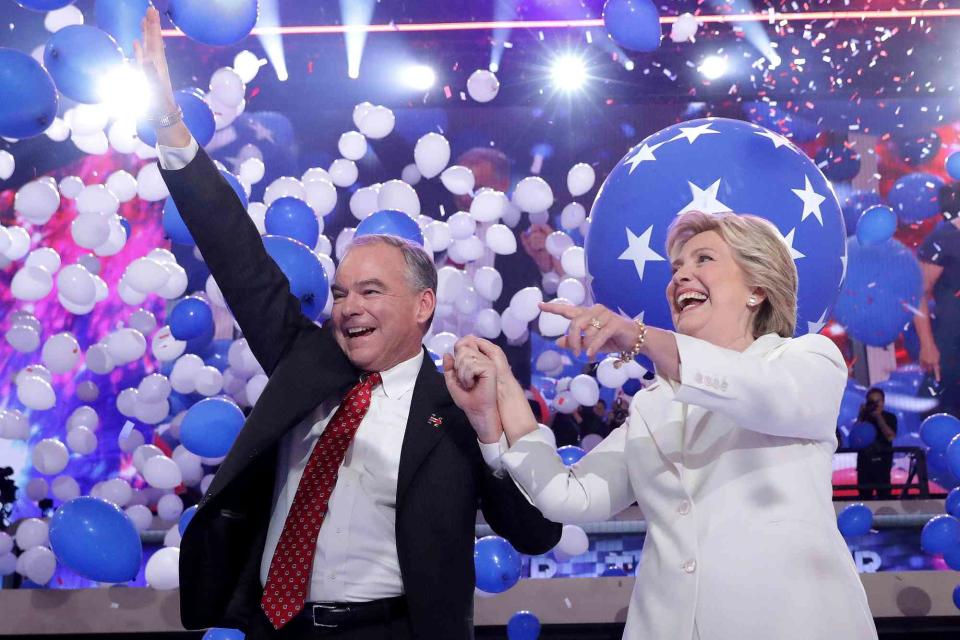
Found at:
<point>664,420</point>
<point>430,409</point>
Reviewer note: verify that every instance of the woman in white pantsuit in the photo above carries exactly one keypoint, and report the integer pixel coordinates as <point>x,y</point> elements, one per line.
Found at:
<point>728,452</point>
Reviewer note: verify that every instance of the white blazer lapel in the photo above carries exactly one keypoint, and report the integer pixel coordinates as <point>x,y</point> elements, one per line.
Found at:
<point>663,417</point>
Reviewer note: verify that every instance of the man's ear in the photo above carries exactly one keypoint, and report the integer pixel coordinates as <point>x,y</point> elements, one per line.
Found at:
<point>426,305</point>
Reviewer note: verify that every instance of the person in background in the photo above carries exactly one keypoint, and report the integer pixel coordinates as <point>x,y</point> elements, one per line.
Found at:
<point>876,460</point>
<point>594,420</point>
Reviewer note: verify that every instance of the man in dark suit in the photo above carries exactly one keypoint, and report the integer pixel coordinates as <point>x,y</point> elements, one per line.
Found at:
<point>315,524</point>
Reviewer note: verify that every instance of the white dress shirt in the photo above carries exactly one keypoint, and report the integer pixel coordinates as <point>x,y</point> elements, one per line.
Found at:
<point>356,553</point>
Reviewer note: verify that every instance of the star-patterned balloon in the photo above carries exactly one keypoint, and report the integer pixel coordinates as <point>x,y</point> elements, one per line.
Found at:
<point>712,165</point>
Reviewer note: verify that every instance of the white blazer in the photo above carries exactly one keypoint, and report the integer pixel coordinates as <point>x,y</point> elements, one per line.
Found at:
<point>732,470</point>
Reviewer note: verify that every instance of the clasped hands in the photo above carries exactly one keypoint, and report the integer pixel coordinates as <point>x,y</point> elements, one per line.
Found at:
<point>480,381</point>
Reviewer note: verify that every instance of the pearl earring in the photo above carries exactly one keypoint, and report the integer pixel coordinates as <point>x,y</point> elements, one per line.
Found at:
<point>752,301</point>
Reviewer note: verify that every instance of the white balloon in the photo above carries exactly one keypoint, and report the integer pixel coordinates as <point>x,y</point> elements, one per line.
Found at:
<point>133,440</point>
<point>96,198</point>
<point>462,225</point>
<point>251,171</point>
<point>352,145</point>
<point>321,195</point>
<point>466,250</point>
<point>573,541</point>
<point>227,86</point>
<point>143,453</point>
<point>23,338</point>
<point>143,321</point>
<point>126,345</point>
<point>438,234</point>
<point>37,564</point>
<point>153,388</point>
<point>580,179</point>
<point>62,17</point>
<point>169,507</point>
<point>32,532</point>
<point>533,194</point>
<point>376,122</point>
<point>146,275</point>
<point>88,391</point>
<point>19,243</point>
<point>162,571</point>
<point>343,172</point>
<point>7,165</point>
<point>451,282</point>
<point>150,184</point>
<point>122,185</point>
<point>31,283</point>
<point>431,154</point>
<point>564,403</point>
<point>487,324</point>
<point>184,373</point>
<point>364,201</point>
<point>258,213</point>
<point>151,412</point>
<point>116,239</point>
<point>553,324</point>
<point>400,196</point>
<point>482,85</point>
<point>208,381</point>
<point>70,186</point>
<point>572,216</point>
<point>140,515</point>
<point>548,361</point>
<point>14,425</point>
<point>83,416</point>
<point>558,242</point>
<point>501,240</point>
<point>511,215</point>
<point>684,29</point>
<point>585,390</point>
<point>488,205</point>
<point>60,353</point>
<point>37,489</point>
<point>254,388</point>
<point>8,563</point>
<point>122,136</point>
<point>59,130</point>
<point>127,401</point>
<point>116,490</point>
<point>82,440</point>
<point>442,343</point>
<point>223,115</point>
<point>458,180</point>
<point>540,217</point>
<point>574,262</point>
<point>44,258</point>
<point>246,64</point>
<point>488,283</point>
<point>573,290</point>
<point>524,303</point>
<point>99,360</point>
<point>94,144</point>
<point>36,393</point>
<point>91,230</point>
<point>37,201</point>
<point>609,376</point>
<point>511,326</point>
<point>50,456</point>
<point>411,174</point>
<point>65,488</point>
<point>162,472</point>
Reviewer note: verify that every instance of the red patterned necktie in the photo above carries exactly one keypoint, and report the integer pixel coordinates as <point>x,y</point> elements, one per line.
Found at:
<point>290,570</point>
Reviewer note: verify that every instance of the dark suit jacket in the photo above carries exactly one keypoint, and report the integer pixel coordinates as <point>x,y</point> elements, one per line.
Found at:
<point>443,479</point>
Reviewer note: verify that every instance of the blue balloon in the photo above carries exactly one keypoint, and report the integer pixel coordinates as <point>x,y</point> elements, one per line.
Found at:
<point>862,435</point>
<point>952,558</point>
<point>214,22</point>
<point>78,57</point>
<point>497,564</point>
<point>854,205</point>
<point>631,387</point>
<point>121,19</point>
<point>190,319</point>
<point>952,504</point>
<point>916,196</point>
<point>210,427</point>
<point>633,24</point>
<point>215,354</point>
<point>782,121</point>
<point>174,226</point>
<point>953,456</point>
<point>838,161</point>
<point>523,625</point>
<point>44,5</point>
<point>96,539</point>
<point>882,287</point>
<point>292,218</point>
<point>953,165</point>
<point>28,97</point>
<point>307,277</point>
<point>219,633</point>
<point>197,116</point>
<point>938,430</point>
<point>855,520</point>
<point>876,225</point>
<point>956,596</point>
<point>675,170</point>
<point>391,223</point>
<point>853,396</point>
<point>185,518</point>
<point>570,454</point>
<point>917,148</point>
<point>940,534</point>
<point>201,342</point>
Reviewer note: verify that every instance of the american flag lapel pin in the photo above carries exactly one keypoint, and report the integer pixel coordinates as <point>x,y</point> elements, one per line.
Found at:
<point>435,421</point>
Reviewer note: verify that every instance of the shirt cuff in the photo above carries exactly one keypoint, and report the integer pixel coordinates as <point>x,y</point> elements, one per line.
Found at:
<point>174,158</point>
<point>493,451</point>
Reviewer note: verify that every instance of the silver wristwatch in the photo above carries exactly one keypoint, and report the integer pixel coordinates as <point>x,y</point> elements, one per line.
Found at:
<point>163,120</point>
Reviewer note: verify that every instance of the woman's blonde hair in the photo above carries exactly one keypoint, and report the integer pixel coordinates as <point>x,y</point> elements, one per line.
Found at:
<point>760,250</point>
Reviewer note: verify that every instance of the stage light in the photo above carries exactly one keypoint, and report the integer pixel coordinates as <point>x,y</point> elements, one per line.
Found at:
<point>355,16</point>
<point>271,39</point>
<point>713,67</point>
<point>124,92</point>
<point>494,67</point>
<point>568,73</point>
<point>418,76</point>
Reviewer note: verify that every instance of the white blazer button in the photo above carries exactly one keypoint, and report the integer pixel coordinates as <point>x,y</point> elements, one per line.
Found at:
<point>684,508</point>
<point>690,566</point>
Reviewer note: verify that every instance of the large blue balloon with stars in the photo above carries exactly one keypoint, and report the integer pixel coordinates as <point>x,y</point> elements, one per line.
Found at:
<point>712,165</point>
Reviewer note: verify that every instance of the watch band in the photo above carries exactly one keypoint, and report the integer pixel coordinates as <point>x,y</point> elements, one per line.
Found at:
<point>164,120</point>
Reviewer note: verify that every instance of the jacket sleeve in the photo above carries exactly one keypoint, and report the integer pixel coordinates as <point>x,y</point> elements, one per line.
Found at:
<point>594,489</point>
<point>254,287</point>
<point>796,393</point>
<point>511,515</point>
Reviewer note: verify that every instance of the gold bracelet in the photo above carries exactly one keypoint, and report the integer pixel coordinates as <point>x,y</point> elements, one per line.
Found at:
<point>627,356</point>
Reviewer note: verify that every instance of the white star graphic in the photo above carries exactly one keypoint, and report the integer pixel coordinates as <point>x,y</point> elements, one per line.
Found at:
<point>643,154</point>
<point>811,201</point>
<point>777,140</point>
<point>639,251</point>
<point>817,327</point>
<point>705,200</point>
<point>623,313</point>
<point>692,133</point>
<point>796,255</point>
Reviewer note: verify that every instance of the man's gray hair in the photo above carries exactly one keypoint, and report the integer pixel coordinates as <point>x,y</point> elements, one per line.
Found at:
<point>421,272</point>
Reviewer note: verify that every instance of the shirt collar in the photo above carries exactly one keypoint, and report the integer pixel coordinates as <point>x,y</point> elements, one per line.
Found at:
<point>400,378</point>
